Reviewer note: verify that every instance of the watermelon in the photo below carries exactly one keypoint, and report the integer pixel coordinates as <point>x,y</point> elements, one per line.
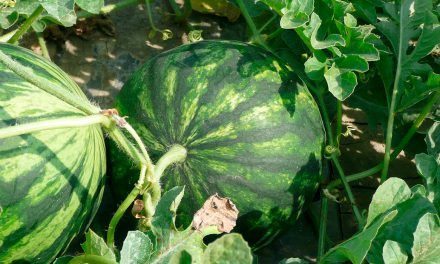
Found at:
<point>251,128</point>
<point>51,181</point>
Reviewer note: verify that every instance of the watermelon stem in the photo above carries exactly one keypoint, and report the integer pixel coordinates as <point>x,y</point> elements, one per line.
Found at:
<point>149,163</point>
<point>350,195</point>
<point>26,25</point>
<point>123,143</point>
<point>43,46</point>
<point>67,122</point>
<point>27,74</point>
<point>166,33</point>
<point>255,33</point>
<point>322,226</point>
<point>175,154</point>
<point>120,212</point>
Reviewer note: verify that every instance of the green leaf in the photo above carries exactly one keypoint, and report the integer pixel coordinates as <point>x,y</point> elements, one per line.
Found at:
<point>428,165</point>
<point>417,89</point>
<point>356,248</point>
<point>426,248</point>
<point>61,11</point>
<point>359,41</point>
<point>318,37</point>
<point>168,240</point>
<point>387,196</point>
<point>137,248</point>
<point>7,18</point>
<point>296,13</point>
<point>393,253</point>
<point>163,219</point>
<point>91,6</point>
<point>401,228</point>
<point>315,67</point>
<point>432,140</point>
<point>352,63</point>
<point>413,23</point>
<point>183,257</point>
<point>230,248</point>
<point>95,245</point>
<point>340,83</point>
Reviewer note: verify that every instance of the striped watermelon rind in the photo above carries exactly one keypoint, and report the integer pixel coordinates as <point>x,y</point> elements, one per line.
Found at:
<point>251,128</point>
<point>51,181</point>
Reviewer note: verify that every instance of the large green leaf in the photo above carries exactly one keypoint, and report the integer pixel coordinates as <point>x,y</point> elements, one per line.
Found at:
<point>296,13</point>
<point>95,245</point>
<point>428,165</point>
<point>229,248</point>
<point>393,253</point>
<point>411,21</point>
<point>401,228</point>
<point>426,248</point>
<point>137,248</point>
<point>356,248</point>
<point>57,11</point>
<point>51,181</point>
<point>388,195</point>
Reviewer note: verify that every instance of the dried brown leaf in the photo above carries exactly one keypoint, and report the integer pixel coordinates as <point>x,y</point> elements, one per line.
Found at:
<point>136,210</point>
<point>216,211</point>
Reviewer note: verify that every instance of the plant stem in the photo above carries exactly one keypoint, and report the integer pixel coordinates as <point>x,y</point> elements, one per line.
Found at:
<point>350,195</point>
<point>43,46</point>
<point>122,141</point>
<point>67,122</point>
<point>390,123</point>
<point>409,134</point>
<point>150,15</point>
<point>326,117</point>
<point>181,15</point>
<point>255,33</point>
<point>322,226</point>
<point>108,8</point>
<point>92,259</point>
<point>175,154</point>
<point>338,120</point>
<point>149,164</point>
<point>27,74</point>
<point>267,23</point>
<point>274,34</point>
<point>119,213</point>
<point>26,25</point>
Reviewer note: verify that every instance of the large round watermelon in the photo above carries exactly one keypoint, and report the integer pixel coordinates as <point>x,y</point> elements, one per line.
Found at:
<point>50,181</point>
<point>251,128</point>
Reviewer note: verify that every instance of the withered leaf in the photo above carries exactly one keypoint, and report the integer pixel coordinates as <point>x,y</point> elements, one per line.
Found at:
<point>136,210</point>
<point>216,211</point>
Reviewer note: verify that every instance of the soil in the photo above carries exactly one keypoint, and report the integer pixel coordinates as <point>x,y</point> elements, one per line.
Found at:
<point>102,52</point>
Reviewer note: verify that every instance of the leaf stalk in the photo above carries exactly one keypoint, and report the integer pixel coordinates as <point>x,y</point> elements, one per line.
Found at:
<point>26,25</point>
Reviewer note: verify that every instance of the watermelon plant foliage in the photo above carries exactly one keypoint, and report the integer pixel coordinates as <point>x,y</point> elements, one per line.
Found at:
<point>403,224</point>
<point>252,130</point>
<point>165,244</point>
<point>61,12</point>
